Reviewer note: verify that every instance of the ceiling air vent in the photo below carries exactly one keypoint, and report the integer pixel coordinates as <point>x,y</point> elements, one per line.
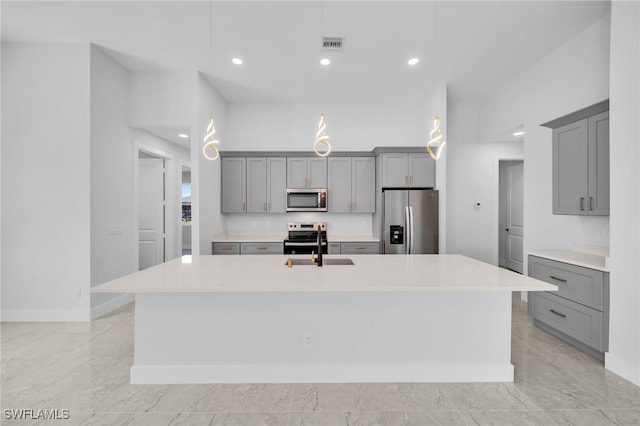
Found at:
<point>333,43</point>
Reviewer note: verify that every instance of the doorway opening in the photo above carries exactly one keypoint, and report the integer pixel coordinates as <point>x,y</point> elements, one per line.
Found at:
<point>185,221</point>
<point>511,214</point>
<point>151,210</point>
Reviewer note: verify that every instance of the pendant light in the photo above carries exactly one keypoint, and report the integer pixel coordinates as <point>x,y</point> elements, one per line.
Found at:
<point>322,138</point>
<point>210,150</point>
<point>436,137</point>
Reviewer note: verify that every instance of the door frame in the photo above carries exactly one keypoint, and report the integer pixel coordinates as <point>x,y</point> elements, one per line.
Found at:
<point>170,231</point>
<point>495,240</point>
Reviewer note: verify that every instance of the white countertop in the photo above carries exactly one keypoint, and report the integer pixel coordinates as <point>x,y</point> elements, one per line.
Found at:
<point>370,273</point>
<point>278,237</point>
<point>573,257</point>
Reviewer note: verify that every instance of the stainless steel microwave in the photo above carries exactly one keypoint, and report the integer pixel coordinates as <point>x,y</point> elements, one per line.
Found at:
<point>306,200</point>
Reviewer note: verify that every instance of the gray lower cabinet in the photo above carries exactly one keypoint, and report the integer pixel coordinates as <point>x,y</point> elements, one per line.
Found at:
<point>225,248</point>
<point>352,185</point>
<point>360,248</point>
<point>261,248</point>
<point>334,248</point>
<point>234,185</point>
<point>581,162</point>
<point>579,311</point>
<point>408,170</point>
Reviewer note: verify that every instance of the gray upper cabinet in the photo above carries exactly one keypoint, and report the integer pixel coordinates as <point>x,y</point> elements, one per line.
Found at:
<point>266,178</point>
<point>408,170</point>
<point>234,185</point>
<point>351,184</point>
<point>581,162</point>
<point>306,172</point>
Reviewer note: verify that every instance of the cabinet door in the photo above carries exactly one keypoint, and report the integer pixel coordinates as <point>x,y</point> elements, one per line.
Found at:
<point>599,164</point>
<point>422,171</point>
<point>317,172</point>
<point>276,184</point>
<point>296,172</point>
<point>234,185</point>
<point>256,185</point>
<point>339,190</point>
<point>395,170</point>
<point>570,177</point>
<point>363,185</point>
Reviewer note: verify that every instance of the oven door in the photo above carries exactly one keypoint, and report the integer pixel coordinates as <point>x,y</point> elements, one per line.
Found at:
<point>291,247</point>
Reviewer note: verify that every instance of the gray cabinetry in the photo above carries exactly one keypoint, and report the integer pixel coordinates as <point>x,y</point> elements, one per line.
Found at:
<point>261,248</point>
<point>351,184</point>
<point>408,170</point>
<point>225,248</point>
<point>579,311</point>
<point>581,162</point>
<point>306,172</point>
<point>266,190</point>
<point>360,248</point>
<point>234,185</point>
<point>334,248</point>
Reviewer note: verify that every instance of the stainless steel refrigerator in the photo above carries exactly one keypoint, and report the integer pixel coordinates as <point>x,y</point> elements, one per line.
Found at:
<point>410,221</point>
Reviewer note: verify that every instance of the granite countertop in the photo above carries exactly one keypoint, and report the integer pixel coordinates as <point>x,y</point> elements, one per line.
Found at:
<point>370,273</point>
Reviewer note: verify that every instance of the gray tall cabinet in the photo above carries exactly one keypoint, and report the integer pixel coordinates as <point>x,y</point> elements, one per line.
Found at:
<point>352,185</point>
<point>581,162</point>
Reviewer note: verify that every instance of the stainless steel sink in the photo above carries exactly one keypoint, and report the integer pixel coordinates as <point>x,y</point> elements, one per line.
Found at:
<point>325,262</point>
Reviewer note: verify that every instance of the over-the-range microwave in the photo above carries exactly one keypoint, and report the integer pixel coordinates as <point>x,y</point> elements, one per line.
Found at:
<point>306,200</point>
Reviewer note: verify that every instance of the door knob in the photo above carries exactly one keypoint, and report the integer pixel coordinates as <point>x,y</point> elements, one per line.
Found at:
<point>506,229</point>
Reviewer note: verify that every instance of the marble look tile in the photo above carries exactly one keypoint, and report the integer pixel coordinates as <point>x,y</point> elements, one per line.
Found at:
<point>376,418</point>
<point>253,419</point>
<point>509,418</point>
<point>593,417</point>
<point>149,419</point>
<point>251,398</point>
<point>185,398</point>
<point>488,396</point>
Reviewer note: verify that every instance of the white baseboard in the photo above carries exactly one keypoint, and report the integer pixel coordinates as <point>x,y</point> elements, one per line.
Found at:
<point>111,305</point>
<point>45,315</point>
<point>622,368</point>
<point>320,373</point>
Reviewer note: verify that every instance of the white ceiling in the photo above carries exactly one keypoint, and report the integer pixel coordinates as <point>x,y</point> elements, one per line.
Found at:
<point>480,43</point>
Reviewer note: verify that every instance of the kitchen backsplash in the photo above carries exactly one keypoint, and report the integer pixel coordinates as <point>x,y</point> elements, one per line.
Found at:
<point>347,223</point>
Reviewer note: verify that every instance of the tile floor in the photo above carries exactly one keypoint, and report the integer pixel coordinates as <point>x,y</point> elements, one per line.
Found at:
<point>85,368</point>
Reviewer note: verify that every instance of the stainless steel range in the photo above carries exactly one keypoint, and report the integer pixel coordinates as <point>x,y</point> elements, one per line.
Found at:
<point>303,238</point>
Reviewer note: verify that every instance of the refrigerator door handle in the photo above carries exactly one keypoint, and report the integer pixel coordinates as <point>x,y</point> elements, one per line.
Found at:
<point>411,229</point>
<point>407,245</point>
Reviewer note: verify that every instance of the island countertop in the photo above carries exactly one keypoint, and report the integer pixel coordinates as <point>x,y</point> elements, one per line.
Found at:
<point>369,273</point>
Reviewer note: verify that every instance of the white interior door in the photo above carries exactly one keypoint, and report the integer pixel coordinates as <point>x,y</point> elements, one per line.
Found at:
<point>515,216</point>
<point>151,205</point>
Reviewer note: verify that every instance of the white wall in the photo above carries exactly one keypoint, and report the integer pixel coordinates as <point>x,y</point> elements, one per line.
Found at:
<point>624,331</point>
<point>161,98</point>
<point>206,217</point>
<point>45,182</point>
<point>472,176</point>
<point>112,226</point>
<point>574,76</point>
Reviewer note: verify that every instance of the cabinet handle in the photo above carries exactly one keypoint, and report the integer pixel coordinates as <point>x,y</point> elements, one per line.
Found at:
<point>590,203</point>
<point>582,203</point>
<point>261,248</point>
<point>360,247</point>
<point>411,180</point>
<point>562,280</point>
<point>557,313</point>
<point>244,206</point>
<point>227,248</point>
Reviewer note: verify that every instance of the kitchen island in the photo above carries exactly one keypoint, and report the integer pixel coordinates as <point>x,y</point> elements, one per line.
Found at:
<point>386,318</point>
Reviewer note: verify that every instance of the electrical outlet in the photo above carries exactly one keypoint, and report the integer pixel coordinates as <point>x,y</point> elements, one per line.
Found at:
<point>77,294</point>
<point>307,339</point>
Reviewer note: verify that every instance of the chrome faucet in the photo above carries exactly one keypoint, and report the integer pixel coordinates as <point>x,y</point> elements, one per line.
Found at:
<point>319,258</point>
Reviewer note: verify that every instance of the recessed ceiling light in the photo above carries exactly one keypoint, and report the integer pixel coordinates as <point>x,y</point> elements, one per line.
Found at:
<point>325,61</point>
<point>182,135</point>
<point>413,61</point>
<point>520,133</point>
<point>237,61</point>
